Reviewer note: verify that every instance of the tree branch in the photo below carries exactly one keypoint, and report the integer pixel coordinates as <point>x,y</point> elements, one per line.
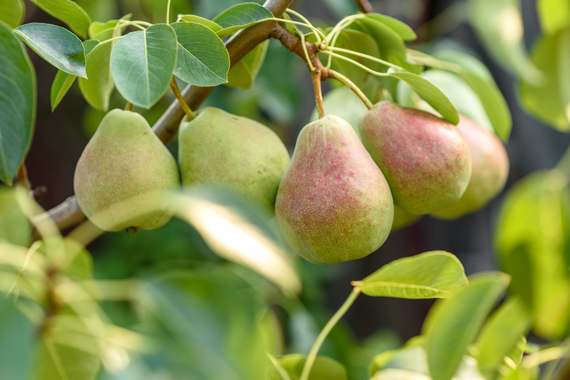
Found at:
<point>69,214</point>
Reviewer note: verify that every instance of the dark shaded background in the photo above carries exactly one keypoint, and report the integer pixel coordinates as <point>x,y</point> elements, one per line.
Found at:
<point>285,103</point>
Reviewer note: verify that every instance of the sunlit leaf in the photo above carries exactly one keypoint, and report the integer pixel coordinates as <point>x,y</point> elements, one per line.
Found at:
<point>244,72</point>
<point>431,94</point>
<point>142,64</point>
<point>234,230</point>
<point>324,368</point>
<point>550,101</point>
<point>202,56</point>
<point>402,29</point>
<point>435,274</point>
<point>499,25</point>
<point>17,335</point>
<point>453,324</point>
<point>17,104</point>
<point>200,20</point>
<point>411,357</point>
<point>69,12</point>
<point>55,44</point>
<point>14,225</point>
<point>103,31</point>
<point>553,14</point>
<point>241,16</point>
<point>98,88</point>
<point>532,240</point>
<point>501,334</point>
<point>12,12</point>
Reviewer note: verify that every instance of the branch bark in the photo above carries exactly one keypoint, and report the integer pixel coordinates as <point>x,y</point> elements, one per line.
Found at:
<point>364,6</point>
<point>69,214</point>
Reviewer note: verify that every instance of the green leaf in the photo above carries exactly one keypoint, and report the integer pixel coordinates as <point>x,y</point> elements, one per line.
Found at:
<point>435,274</point>
<point>452,324</point>
<point>57,45</point>
<point>98,88</point>
<point>388,41</point>
<point>499,25</point>
<point>69,256</point>
<point>402,29</point>
<point>63,81</point>
<point>549,100</point>
<point>14,225</point>
<point>142,64</point>
<point>359,42</point>
<point>102,32</point>
<point>69,12</point>
<point>431,94</point>
<point>532,242</point>
<point>241,16</point>
<point>553,14</point>
<point>200,20</point>
<point>244,72</point>
<point>459,93</point>
<point>411,357</point>
<point>501,334</point>
<point>12,12</point>
<point>203,59</point>
<point>17,334</point>
<point>399,374</point>
<point>61,84</point>
<point>57,361</point>
<point>222,217</point>
<point>324,368</point>
<point>17,103</point>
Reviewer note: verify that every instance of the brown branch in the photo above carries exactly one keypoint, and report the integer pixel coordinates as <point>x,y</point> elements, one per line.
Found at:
<point>69,214</point>
<point>364,6</point>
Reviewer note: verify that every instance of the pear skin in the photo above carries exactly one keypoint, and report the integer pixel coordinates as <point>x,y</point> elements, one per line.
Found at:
<point>124,175</point>
<point>425,159</point>
<point>489,174</point>
<point>403,219</point>
<point>232,152</point>
<point>334,203</point>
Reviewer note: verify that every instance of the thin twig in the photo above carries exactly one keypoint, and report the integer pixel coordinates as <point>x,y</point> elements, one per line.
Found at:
<point>316,76</point>
<point>364,6</point>
<point>174,86</point>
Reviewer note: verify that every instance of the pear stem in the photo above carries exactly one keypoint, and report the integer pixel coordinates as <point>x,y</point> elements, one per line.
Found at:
<point>347,82</point>
<point>191,115</point>
<point>129,106</point>
<point>325,331</point>
<point>22,176</point>
<point>316,75</point>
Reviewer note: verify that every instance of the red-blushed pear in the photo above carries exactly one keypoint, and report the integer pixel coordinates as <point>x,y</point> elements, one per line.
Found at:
<point>489,174</point>
<point>425,159</point>
<point>333,203</point>
<point>232,152</point>
<point>124,175</point>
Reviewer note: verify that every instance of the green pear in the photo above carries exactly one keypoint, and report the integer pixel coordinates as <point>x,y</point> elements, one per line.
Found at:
<point>124,175</point>
<point>334,203</point>
<point>232,152</point>
<point>489,174</point>
<point>403,219</point>
<point>425,159</point>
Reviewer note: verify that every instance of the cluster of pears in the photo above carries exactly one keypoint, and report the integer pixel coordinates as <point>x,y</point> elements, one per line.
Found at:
<point>334,200</point>
<point>125,174</point>
<point>342,195</point>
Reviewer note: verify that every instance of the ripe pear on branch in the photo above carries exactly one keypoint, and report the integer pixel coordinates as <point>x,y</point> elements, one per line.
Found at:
<point>232,152</point>
<point>124,175</point>
<point>489,174</point>
<point>334,203</point>
<point>425,159</point>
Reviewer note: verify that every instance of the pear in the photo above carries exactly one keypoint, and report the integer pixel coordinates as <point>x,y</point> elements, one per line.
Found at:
<point>334,203</point>
<point>124,174</point>
<point>403,219</point>
<point>232,152</point>
<point>425,159</point>
<point>489,174</point>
